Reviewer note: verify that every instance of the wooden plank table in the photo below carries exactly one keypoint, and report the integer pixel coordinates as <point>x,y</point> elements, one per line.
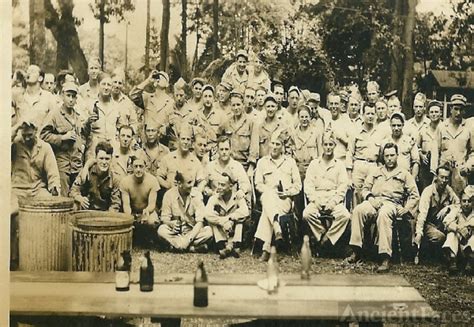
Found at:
<point>323,297</point>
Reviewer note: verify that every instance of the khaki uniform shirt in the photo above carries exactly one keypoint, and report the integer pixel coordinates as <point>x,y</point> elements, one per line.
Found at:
<point>34,169</point>
<point>69,154</point>
<point>34,108</point>
<point>174,162</point>
<point>306,146</point>
<point>408,153</point>
<point>153,158</point>
<point>326,183</point>
<point>174,207</point>
<point>413,128</point>
<point>397,186</point>
<point>234,169</point>
<point>364,146</point>
<point>217,209</point>
<point>270,172</point>
<point>238,82</point>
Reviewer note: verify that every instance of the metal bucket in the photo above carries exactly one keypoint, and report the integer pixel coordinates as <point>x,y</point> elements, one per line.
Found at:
<point>98,238</point>
<point>43,225</point>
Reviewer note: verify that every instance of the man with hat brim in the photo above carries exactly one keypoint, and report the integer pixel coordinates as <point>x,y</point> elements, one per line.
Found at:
<point>277,179</point>
<point>257,74</point>
<point>271,123</point>
<point>223,90</point>
<point>196,89</point>
<point>237,74</point>
<point>64,131</point>
<point>454,143</point>
<point>419,121</point>
<point>156,105</point>
<point>408,153</point>
<point>294,95</point>
<point>317,112</point>
<point>426,143</point>
<point>243,131</point>
<point>89,91</point>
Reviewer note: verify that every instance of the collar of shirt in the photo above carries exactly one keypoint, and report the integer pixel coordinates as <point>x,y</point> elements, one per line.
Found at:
<point>449,128</point>
<point>390,174</point>
<point>37,147</point>
<point>227,206</point>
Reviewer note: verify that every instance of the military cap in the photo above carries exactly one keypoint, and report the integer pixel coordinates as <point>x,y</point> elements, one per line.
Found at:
<point>390,94</point>
<point>373,85</point>
<point>398,115</point>
<point>226,86</point>
<point>314,97</point>
<point>434,103</point>
<point>242,53</point>
<point>180,84</point>
<point>197,80</point>
<point>208,87</point>
<point>294,88</point>
<point>71,87</point>
<point>270,97</point>
<point>420,97</point>
<point>458,99</point>
<point>236,94</point>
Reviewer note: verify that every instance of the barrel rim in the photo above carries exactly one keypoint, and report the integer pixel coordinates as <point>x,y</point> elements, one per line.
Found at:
<point>95,219</point>
<point>50,202</point>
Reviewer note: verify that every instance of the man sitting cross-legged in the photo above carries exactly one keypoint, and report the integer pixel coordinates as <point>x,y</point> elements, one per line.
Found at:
<point>325,186</point>
<point>226,211</point>
<point>182,216</point>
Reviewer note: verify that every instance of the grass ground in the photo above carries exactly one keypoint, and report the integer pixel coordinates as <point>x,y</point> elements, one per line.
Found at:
<point>451,296</point>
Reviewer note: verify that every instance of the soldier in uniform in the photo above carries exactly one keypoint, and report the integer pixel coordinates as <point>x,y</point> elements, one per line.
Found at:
<point>226,212</point>
<point>48,83</point>
<point>353,112</point>
<point>244,134</point>
<point>393,104</point>
<point>121,164</point>
<point>278,180</point>
<point>237,74</point>
<point>196,100</point>
<point>126,106</point>
<point>325,186</point>
<point>223,90</point>
<point>426,143</point>
<point>182,216</point>
<point>434,204</point>
<point>384,192</point>
<point>382,125</point>
<point>95,188</point>
<point>64,130</point>
<point>339,125</point>
<point>460,228</point>
<point>319,115</point>
<point>156,105</point>
<point>89,91</point>
<point>415,125</point>
<point>153,150</point>
<point>409,156</point>
<point>454,143</point>
<point>258,77</point>
<point>373,92</point>
<point>260,94</point>
<point>250,103</point>
<point>292,110</point>
<point>363,151</point>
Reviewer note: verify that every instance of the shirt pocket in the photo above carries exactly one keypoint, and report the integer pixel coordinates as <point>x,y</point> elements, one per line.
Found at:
<point>242,140</point>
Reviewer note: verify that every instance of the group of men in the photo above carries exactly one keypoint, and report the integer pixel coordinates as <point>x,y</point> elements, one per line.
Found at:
<point>192,168</point>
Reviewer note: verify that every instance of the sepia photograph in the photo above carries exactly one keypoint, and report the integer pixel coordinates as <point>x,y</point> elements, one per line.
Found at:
<point>237,163</point>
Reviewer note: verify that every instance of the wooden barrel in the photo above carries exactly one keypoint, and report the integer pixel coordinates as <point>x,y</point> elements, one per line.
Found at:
<point>98,238</point>
<point>43,225</point>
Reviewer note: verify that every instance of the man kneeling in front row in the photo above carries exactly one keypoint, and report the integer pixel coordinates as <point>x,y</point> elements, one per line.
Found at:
<point>182,216</point>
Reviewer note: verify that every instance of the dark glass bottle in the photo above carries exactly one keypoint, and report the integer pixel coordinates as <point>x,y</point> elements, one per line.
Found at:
<point>122,275</point>
<point>200,287</point>
<point>146,273</point>
<point>280,186</point>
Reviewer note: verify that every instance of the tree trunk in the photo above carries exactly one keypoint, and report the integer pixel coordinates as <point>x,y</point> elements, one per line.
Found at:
<point>165,27</point>
<point>147,40</point>
<point>37,33</point>
<point>215,29</point>
<point>409,56</point>
<point>395,56</point>
<point>101,32</point>
<point>184,28</point>
<point>64,31</point>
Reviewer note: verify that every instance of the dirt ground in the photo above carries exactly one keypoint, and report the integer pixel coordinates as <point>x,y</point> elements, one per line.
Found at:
<point>451,296</point>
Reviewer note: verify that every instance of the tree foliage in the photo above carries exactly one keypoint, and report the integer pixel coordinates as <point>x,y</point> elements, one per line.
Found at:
<point>112,8</point>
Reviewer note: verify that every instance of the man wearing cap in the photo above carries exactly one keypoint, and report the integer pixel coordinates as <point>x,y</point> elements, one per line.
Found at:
<point>426,143</point>
<point>33,103</point>
<point>363,151</point>
<point>258,77</point>
<point>34,168</point>
<point>95,187</point>
<point>269,125</point>
<point>373,92</point>
<point>454,143</point>
<point>419,121</point>
<point>182,216</point>
<point>180,112</point>
<point>123,102</point>
<point>226,213</point>
<point>408,154</point>
<point>385,192</point>
<point>318,113</point>
<point>89,91</point>
<point>278,180</point>
<point>156,105</point>
<point>64,131</point>
<point>243,130</point>
<point>209,118</point>
<point>223,90</point>
<point>237,74</point>
<point>121,164</point>
<point>195,102</point>
<point>325,186</point>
